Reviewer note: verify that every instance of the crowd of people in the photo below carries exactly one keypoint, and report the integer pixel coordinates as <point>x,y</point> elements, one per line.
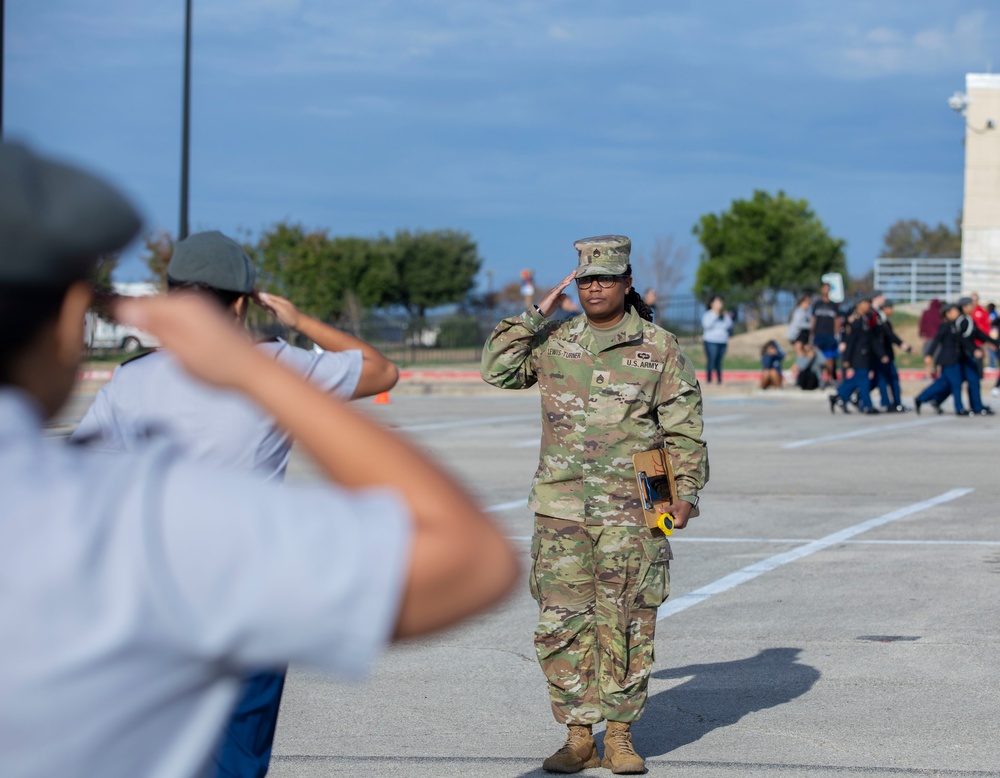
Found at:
<point>858,346</point>
<point>852,349</point>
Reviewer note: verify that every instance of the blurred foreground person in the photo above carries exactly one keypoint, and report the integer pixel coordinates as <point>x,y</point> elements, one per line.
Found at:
<point>152,396</point>
<point>138,588</point>
<point>612,384</point>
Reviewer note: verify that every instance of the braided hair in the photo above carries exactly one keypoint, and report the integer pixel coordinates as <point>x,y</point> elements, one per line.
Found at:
<point>633,300</point>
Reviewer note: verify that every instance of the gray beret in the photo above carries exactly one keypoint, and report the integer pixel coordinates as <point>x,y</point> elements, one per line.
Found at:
<point>963,301</point>
<point>55,220</point>
<point>212,259</point>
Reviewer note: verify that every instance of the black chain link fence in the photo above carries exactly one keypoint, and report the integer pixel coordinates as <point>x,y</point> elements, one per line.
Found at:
<point>458,336</point>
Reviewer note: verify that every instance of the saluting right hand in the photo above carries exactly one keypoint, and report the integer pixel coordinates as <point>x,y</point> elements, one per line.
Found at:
<point>550,303</point>
<point>281,309</point>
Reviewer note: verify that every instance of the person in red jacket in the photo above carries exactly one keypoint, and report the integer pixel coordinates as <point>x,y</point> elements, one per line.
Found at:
<point>930,320</point>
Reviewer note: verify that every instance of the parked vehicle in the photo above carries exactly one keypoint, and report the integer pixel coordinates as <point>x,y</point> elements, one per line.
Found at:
<point>103,334</point>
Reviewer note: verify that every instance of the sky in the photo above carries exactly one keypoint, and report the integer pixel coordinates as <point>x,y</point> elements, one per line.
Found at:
<point>526,124</point>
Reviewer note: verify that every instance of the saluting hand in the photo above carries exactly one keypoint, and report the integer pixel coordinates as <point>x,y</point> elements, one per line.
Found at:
<point>281,309</point>
<point>548,304</point>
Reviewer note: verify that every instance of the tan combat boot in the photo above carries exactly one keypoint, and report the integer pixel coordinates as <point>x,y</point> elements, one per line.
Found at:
<point>578,753</point>
<point>619,756</point>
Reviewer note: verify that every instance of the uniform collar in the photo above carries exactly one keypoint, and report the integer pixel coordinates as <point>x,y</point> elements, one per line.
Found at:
<point>19,413</point>
<point>630,329</point>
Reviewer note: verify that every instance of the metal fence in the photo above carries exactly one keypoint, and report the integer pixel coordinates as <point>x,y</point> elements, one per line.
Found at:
<point>914,280</point>
<point>459,335</point>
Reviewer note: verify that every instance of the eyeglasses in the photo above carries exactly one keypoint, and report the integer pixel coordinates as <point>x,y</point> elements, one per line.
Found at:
<point>605,282</point>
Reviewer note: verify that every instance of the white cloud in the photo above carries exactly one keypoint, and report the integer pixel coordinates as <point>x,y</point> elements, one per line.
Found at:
<point>964,44</point>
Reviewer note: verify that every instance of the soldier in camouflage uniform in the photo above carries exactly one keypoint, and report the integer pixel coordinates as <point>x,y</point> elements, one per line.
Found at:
<point>612,384</point>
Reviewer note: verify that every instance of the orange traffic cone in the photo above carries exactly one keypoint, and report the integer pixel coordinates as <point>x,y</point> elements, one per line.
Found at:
<point>382,398</point>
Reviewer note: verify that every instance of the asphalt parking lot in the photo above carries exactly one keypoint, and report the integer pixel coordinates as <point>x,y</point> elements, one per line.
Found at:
<point>833,611</point>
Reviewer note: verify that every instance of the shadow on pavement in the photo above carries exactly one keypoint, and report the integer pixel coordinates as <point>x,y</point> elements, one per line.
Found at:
<point>718,695</point>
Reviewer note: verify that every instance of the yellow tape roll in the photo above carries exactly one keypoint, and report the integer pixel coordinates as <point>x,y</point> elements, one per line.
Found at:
<point>666,523</point>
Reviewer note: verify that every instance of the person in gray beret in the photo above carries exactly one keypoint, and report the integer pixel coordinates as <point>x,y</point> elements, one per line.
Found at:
<point>140,587</point>
<point>152,396</point>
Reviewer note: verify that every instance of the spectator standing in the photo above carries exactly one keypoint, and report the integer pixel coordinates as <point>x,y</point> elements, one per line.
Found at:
<point>826,327</point>
<point>717,328</point>
<point>994,331</point>
<point>930,321</point>
<point>801,324</point>
<point>651,298</point>
<point>771,357</point>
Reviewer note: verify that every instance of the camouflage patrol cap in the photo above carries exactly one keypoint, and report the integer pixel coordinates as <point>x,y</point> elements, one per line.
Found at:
<point>213,260</point>
<point>603,255</point>
<point>56,219</point>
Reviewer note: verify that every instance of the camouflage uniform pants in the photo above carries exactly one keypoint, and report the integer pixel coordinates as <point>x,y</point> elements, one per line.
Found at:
<point>597,589</point>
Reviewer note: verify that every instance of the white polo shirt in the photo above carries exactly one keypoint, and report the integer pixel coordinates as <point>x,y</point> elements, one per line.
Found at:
<point>137,588</point>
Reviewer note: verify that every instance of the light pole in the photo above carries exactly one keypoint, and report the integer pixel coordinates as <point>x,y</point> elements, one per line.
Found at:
<point>2,15</point>
<point>186,123</point>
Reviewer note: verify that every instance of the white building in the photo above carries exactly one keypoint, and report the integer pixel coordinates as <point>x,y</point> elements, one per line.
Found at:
<point>981,209</point>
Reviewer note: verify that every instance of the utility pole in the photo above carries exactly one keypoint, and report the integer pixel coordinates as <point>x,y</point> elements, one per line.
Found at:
<point>2,16</point>
<point>186,123</point>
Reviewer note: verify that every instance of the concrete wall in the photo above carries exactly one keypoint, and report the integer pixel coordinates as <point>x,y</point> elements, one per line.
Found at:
<point>981,210</point>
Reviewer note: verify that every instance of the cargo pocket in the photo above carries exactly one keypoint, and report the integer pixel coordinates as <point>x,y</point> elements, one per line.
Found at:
<point>655,579</point>
<point>533,570</point>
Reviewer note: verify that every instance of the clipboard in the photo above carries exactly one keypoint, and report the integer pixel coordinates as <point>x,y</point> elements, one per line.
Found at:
<point>654,477</point>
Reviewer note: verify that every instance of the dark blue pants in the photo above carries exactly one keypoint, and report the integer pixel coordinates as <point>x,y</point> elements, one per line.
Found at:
<point>936,392</point>
<point>970,374</point>
<point>888,385</point>
<point>245,751</point>
<point>713,356</point>
<point>953,375</point>
<point>859,383</point>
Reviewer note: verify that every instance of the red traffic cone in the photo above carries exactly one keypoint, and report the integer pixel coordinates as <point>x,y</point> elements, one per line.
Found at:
<point>382,398</point>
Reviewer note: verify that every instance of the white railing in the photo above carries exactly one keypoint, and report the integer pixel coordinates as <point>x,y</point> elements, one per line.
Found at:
<point>923,278</point>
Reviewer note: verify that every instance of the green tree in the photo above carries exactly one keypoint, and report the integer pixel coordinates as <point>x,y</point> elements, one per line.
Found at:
<point>297,264</point>
<point>157,251</point>
<point>433,268</point>
<point>101,275</point>
<point>329,278</point>
<point>764,244</point>
<point>911,238</point>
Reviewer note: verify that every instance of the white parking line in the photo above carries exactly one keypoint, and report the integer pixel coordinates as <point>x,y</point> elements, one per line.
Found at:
<point>506,506</point>
<point>727,417</point>
<point>988,543</point>
<point>525,443</point>
<point>750,572</point>
<point>873,430</point>
<point>443,425</point>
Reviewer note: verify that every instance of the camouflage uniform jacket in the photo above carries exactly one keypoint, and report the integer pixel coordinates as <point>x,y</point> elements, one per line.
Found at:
<point>599,408</point>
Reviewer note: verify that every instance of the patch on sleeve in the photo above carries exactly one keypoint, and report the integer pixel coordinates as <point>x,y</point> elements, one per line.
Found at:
<point>644,361</point>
